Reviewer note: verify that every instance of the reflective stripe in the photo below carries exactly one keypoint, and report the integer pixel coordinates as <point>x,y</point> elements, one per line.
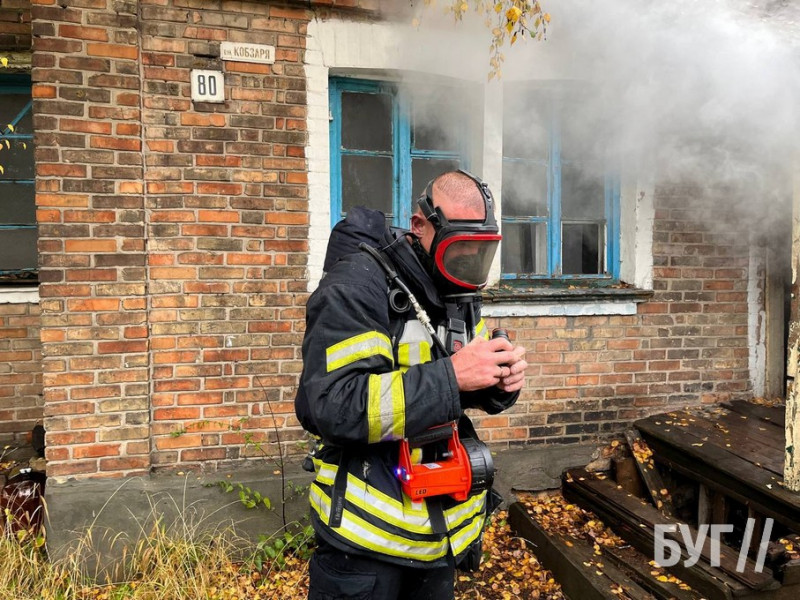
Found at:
<point>327,473</point>
<point>366,535</point>
<point>481,331</point>
<point>405,515</point>
<point>414,353</point>
<point>464,537</point>
<point>458,514</point>
<point>386,407</point>
<point>378,504</point>
<point>364,345</point>
<point>414,346</point>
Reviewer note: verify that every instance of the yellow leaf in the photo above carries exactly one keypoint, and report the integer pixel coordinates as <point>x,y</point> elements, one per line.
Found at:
<point>546,17</point>
<point>513,13</point>
<point>10,127</point>
<point>4,61</point>
<point>2,170</point>
<point>498,7</point>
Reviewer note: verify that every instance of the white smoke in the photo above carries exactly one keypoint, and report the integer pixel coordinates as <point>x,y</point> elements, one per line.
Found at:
<point>711,86</point>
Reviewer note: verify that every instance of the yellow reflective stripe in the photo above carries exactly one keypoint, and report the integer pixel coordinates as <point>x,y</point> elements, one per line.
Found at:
<point>424,352</point>
<point>405,515</point>
<point>404,356</point>
<point>467,535</point>
<point>358,347</point>
<point>387,509</point>
<point>480,330</point>
<point>413,353</point>
<point>326,473</point>
<point>366,535</point>
<point>456,515</point>
<point>386,407</point>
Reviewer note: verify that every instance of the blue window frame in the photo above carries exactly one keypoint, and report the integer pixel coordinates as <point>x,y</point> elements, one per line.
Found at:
<point>560,204</point>
<point>18,234</point>
<point>387,142</point>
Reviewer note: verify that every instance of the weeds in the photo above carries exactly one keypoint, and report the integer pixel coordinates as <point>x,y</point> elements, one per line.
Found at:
<point>187,557</point>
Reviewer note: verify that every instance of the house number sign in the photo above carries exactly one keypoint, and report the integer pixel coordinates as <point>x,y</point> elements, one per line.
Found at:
<point>208,86</point>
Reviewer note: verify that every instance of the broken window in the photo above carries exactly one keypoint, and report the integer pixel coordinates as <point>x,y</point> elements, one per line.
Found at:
<point>389,140</point>
<point>18,236</point>
<point>560,210</point>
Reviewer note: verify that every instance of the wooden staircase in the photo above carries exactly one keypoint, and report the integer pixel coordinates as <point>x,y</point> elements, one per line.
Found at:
<point>720,465</point>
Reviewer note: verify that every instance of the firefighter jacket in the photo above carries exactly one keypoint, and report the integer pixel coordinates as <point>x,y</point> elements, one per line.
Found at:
<point>372,375</point>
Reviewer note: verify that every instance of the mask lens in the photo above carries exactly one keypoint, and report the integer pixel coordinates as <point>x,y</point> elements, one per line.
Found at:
<point>466,259</point>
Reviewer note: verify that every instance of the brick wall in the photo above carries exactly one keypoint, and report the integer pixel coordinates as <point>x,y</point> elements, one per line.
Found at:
<point>15,25</point>
<point>592,376</point>
<point>20,372</point>
<point>172,233</point>
<point>174,242</point>
<point>20,348</point>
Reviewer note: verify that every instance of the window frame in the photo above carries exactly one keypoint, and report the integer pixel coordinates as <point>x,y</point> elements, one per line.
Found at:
<point>403,152</point>
<point>17,84</point>
<point>553,220</point>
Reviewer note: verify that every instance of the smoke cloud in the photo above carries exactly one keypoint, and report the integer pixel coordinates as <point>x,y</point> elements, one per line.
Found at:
<point>709,89</point>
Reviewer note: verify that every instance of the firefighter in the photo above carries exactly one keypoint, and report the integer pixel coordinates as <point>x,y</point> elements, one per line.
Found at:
<point>374,373</point>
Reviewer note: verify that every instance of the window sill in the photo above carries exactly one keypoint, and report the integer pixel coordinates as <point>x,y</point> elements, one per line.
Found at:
<point>532,301</point>
<point>19,295</point>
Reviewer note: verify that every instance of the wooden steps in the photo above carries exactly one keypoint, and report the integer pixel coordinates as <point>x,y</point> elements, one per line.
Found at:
<point>583,575</point>
<point>738,464</point>
<point>634,519</point>
<point>700,466</point>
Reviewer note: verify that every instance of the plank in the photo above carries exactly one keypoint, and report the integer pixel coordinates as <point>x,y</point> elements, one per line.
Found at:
<point>645,516</point>
<point>573,566</point>
<point>754,429</point>
<point>711,587</point>
<point>635,565</point>
<point>735,435</point>
<point>770,414</point>
<point>652,478</point>
<point>722,470</point>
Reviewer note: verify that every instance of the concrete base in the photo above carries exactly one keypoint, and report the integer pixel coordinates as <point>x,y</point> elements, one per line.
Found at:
<point>537,468</point>
<point>117,512</point>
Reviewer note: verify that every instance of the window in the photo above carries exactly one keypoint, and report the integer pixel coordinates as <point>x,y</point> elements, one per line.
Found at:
<point>389,140</point>
<point>560,206</point>
<point>18,254</point>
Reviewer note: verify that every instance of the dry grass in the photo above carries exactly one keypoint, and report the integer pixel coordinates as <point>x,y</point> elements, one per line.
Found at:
<point>171,563</point>
<point>189,558</point>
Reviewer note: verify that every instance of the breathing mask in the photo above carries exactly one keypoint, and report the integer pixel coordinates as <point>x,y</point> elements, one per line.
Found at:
<point>462,251</point>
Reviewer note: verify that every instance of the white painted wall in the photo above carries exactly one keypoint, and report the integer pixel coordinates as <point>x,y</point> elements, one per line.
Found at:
<point>28,295</point>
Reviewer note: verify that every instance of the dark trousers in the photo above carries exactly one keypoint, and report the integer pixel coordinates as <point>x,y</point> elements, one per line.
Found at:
<point>337,575</point>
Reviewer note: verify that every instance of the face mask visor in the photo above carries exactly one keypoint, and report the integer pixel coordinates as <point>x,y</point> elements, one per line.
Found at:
<point>465,259</point>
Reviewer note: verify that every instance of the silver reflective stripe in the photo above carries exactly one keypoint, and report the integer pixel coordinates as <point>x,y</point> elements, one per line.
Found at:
<point>458,514</point>
<point>366,535</point>
<point>464,537</point>
<point>375,502</point>
<point>386,407</point>
<point>414,333</point>
<point>364,345</point>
